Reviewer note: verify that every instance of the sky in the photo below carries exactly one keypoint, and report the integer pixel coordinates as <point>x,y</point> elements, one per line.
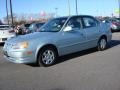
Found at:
<point>87,7</point>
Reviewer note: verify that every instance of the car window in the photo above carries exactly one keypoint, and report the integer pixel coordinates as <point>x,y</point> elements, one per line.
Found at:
<point>115,20</point>
<point>27,25</point>
<point>53,25</point>
<point>89,22</point>
<point>4,27</point>
<point>32,26</point>
<point>75,22</point>
<point>38,25</point>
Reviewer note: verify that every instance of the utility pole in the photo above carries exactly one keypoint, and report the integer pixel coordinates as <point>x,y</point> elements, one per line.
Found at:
<point>56,12</point>
<point>11,11</point>
<point>119,7</point>
<point>76,8</point>
<point>7,11</point>
<point>69,7</point>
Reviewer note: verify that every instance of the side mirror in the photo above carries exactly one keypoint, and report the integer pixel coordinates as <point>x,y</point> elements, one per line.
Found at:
<point>104,21</point>
<point>68,28</point>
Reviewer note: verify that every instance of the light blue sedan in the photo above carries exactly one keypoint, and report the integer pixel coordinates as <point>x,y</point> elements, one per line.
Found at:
<point>59,36</point>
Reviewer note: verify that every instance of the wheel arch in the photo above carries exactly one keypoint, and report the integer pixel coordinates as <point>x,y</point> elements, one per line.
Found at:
<point>103,36</point>
<point>45,46</point>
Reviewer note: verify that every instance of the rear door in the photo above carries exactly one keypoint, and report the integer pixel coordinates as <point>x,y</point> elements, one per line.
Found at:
<point>91,27</point>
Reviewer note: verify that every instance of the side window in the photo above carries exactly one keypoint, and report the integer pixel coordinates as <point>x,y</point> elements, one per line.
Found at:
<point>74,22</point>
<point>89,22</point>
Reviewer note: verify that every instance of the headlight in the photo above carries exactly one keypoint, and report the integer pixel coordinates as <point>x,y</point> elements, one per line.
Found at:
<point>21,45</point>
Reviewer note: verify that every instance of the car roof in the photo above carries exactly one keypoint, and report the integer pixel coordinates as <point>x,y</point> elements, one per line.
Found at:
<point>75,16</point>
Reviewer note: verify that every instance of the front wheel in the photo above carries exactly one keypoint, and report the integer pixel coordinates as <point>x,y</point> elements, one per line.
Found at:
<point>102,44</point>
<point>47,57</point>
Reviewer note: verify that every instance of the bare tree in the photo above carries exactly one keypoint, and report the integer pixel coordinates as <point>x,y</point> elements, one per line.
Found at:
<point>9,18</point>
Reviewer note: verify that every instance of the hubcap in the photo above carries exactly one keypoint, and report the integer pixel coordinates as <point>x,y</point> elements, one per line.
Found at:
<point>103,43</point>
<point>48,57</point>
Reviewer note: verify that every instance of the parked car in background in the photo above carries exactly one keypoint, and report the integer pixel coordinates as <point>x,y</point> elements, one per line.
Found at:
<point>28,28</point>
<point>115,24</point>
<point>6,32</point>
<point>22,29</point>
<point>58,37</point>
<point>25,28</point>
<point>34,27</point>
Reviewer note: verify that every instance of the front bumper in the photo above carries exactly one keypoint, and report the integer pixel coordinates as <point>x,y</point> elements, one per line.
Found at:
<point>19,57</point>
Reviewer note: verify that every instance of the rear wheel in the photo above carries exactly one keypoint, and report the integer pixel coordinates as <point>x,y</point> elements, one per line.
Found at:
<point>47,57</point>
<point>102,44</point>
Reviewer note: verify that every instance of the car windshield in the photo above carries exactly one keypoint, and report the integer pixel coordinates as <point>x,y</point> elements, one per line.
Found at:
<point>53,25</point>
<point>116,20</point>
<point>32,26</point>
<point>35,26</point>
<point>38,25</point>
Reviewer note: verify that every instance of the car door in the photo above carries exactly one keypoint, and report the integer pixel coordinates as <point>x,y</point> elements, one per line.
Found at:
<point>74,40</point>
<point>91,27</point>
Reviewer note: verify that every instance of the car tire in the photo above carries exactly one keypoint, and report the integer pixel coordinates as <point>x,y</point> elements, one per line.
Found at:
<point>47,57</point>
<point>102,44</point>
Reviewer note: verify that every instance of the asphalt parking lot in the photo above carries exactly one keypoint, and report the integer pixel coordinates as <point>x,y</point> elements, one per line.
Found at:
<point>86,70</point>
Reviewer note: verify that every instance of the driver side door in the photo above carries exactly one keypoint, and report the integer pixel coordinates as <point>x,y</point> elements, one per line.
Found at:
<point>73,40</point>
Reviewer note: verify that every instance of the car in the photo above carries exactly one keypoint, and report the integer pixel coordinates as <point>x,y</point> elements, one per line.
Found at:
<point>115,24</point>
<point>22,29</point>
<point>29,28</point>
<point>58,37</point>
<point>34,27</point>
<point>6,32</point>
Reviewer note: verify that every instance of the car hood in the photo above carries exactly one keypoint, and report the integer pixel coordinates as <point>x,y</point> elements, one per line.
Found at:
<point>32,36</point>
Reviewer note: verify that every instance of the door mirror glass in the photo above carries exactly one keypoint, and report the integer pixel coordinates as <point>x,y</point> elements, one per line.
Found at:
<point>68,28</point>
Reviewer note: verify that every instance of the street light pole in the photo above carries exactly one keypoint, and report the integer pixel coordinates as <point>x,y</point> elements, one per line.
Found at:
<point>76,8</point>
<point>56,12</point>
<point>119,7</point>
<point>7,11</point>
<point>11,11</point>
<point>69,6</point>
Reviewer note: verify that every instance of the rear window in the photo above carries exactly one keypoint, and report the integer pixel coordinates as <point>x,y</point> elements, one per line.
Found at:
<point>27,25</point>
